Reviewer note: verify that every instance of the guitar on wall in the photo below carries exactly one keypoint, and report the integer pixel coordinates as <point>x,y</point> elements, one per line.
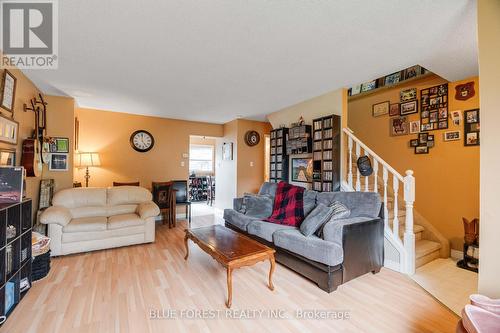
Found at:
<point>31,153</point>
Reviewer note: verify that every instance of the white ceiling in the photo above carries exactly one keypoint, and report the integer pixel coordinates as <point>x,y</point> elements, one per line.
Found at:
<point>217,60</point>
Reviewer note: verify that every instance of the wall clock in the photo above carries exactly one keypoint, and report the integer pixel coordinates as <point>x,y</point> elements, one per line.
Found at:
<point>142,141</point>
<point>252,138</point>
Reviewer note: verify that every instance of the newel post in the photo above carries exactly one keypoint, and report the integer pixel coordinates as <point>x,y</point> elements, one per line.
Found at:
<point>409,236</point>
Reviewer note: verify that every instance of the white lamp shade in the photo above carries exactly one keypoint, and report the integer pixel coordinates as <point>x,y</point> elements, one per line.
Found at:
<point>83,160</point>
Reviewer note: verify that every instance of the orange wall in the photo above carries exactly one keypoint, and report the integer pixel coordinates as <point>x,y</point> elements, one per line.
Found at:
<point>236,177</point>
<point>250,165</point>
<point>60,111</point>
<point>447,179</point>
<point>109,132</point>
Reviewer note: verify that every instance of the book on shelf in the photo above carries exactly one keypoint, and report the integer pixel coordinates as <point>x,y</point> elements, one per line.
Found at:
<point>317,125</point>
<point>317,135</point>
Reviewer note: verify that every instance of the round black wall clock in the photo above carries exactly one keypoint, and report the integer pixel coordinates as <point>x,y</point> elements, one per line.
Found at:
<point>142,141</point>
<point>252,138</point>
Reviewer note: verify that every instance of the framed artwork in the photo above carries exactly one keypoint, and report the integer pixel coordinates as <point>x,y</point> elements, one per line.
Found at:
<point>394,109</point>
<point>434,108</point>
<point>456,117</point>
<point>46,193</point>
<point>7,157</point>
<point>421,150</point>
<point>367,86</point>
<point>356,90</point>
<point>9,129</point>
<point>414,127</point>
<point>422,143</point>
<point>409,108</point>
<point>380,109</point>
<point>399,126</point>
<point>471,127</point>
<point>412,71</point>
<point>408,95</point>
<point>451,136</point>
<point>302,170</point>
<point>58,162</point>
<point>392,78</point>
<point>8,96</point>
<point>227,151</point>
<point>59,145</point>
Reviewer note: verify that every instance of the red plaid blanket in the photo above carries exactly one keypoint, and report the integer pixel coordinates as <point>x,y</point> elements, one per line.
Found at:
<point>288,205</point>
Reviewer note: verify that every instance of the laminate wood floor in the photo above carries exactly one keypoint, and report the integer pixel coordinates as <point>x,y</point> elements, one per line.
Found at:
<point>116,291</point>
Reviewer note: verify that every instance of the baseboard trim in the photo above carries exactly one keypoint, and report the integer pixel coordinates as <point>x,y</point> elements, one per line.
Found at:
<point>395,266</point>
<point>456,254</point>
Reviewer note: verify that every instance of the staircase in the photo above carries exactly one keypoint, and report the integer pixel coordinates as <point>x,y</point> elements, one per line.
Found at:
<point>410,240</point>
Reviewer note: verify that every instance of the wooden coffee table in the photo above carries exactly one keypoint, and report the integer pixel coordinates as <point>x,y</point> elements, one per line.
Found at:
<point>231,249</point>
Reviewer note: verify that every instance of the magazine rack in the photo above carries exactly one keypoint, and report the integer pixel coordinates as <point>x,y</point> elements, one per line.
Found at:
<point>15,254</point>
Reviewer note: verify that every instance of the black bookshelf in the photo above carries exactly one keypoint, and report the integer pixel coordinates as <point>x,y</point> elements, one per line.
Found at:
<point>299,140</point>
<point>278,170</point>
<point>326,154</point>
<point>15,254</point>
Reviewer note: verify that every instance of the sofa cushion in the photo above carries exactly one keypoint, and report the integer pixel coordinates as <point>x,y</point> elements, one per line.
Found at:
<point>80,197</point>
<point>265,230</point>
<point>124,221</point>
<point>340,211</point>
<point>237,219</point>
<point>122,209</point>
<point>360,203</point>
<point>319,216</point>
<point>268,188</point>
<point>312,247</point>
<point>78,237</point>
<point>309,201</point>
<point>259,206</point>
<point>89,211</point>
<point>332,230</point>
<point>126,195</point>
<point>81,224</point>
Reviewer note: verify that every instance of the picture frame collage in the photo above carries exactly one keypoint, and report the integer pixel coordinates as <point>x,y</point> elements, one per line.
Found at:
<point>434,108</point>
<point>471,127</point>
<point>422,143</point>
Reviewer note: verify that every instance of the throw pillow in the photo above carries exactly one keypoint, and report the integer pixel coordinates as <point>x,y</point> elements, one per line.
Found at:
<point>319,216</point>
<point>259,206</point>
<point>309,201</point>
<point>340,211</point>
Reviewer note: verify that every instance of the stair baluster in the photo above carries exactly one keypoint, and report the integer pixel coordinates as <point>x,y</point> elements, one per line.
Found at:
<point>375,175</point>
<point>366,178</point>
<point>358,154</point>
<point>395,221</point>
<point>349,175</point>
<point>386,210</point>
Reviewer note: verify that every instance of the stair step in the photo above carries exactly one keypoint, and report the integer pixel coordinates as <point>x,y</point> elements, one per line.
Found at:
<point>426,251</point>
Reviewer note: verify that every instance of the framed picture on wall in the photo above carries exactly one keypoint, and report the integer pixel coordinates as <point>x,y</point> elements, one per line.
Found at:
<point>471,127</point>
<point>227,151</point>
<point>8,130</point>
<point>7,157</point>
<point>394,110</point>
<point>380,109</point>
<point>59,145</point>
<point>399,126</point>
<point>8,91</point>
<point>58,162</point>
<point>302,170</point>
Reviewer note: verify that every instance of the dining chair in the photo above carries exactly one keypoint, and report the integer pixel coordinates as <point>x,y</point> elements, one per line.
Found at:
<point>164,197</point>
<point>182,198</point>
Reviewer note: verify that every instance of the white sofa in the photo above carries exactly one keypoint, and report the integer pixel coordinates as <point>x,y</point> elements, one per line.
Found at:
<point>88,219</point>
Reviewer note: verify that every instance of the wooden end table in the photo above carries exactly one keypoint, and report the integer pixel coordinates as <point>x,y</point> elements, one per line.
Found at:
<point>231,249</point>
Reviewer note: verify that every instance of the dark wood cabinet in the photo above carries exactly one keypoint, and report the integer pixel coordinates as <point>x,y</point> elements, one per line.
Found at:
<point>278,170</point>
<point>326,154</point>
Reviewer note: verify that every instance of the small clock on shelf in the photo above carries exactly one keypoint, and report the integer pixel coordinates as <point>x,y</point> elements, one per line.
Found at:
<point>252,138</point>
<point>142,141</point>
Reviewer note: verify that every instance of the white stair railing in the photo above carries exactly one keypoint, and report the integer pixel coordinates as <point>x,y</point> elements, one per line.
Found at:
<point>405,246</point>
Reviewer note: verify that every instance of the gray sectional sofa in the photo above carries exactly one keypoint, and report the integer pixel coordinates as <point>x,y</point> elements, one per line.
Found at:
<point>346,248</point>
